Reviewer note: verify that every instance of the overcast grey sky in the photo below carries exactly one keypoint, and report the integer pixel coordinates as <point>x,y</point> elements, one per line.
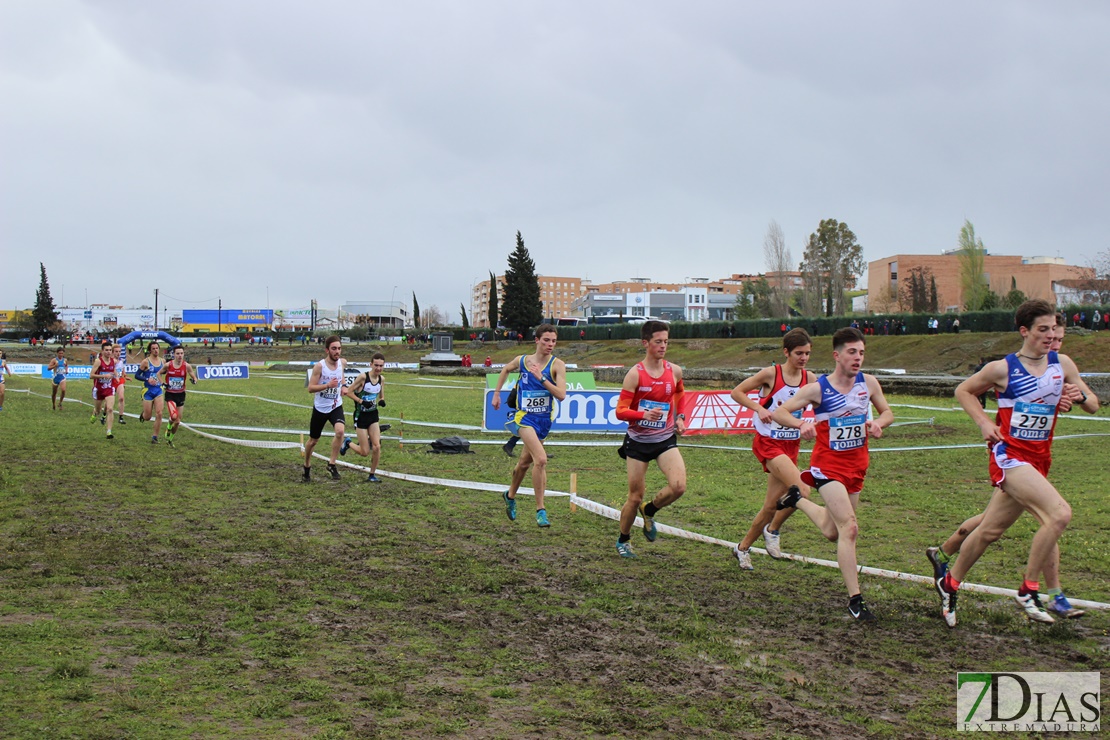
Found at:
<point>266,150</point>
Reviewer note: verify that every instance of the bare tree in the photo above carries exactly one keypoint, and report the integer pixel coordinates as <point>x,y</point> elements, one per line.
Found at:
<point>776,256</point>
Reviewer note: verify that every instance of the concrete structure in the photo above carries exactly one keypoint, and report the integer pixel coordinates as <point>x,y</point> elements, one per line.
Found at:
<point>393,315</point>
<point>1035,277</point>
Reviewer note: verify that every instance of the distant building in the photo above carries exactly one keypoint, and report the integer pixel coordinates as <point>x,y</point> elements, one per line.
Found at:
<point>376,313</point>
<point>1035,276</point>
<point>557,296</point>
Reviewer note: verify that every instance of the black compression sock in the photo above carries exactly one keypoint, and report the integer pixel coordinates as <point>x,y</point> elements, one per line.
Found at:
<point>651,509</point>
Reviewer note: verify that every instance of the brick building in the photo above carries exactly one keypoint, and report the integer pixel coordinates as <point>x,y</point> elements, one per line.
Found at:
<point>1035,276</point>
<point>557,296</point>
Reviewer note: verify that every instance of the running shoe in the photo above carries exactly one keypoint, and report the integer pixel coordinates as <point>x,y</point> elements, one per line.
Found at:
<point>385,427</point>
<point>103,420</point>
<point>92,419</point>
<point>306,477</point>
<point>346,446</point>
<point>939,567</point>
<point>790,499</point>
<point>744,557</point>
<point>122,420</point>
<point>771,540</point>
<point>947,602</point>
<point>334,471</point>
<point>541,518</point>
<point>859,611</point>
<point>507,448</point>
<point>1061,607</point>
<point>649,525</point>
<point>154,439</point>
<point>373,479</point>
<point>624,549</point>
<point>510,506</point>
<point>110,436</point>
<point>1030,603</point>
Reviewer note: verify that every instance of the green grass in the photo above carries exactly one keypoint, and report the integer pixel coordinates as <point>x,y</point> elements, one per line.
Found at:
<point>204,592</point>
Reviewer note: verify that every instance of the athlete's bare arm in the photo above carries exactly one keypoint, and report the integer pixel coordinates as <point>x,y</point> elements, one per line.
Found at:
<point>808,394</point>
<point>352,390</point>
<point>762,379</point>
<point>314,384</point>
<point>885,418</point>
<point>510,367</point>
<point>679,393</point>
<point>991,377</point>
<point>1079,388</point>
<point>559,379</point>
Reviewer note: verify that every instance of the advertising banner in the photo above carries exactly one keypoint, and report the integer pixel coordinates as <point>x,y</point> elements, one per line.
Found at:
<point>223,372</point>
<point>82,372</point>
<point>714,412</point>
<point>576,381</point>
<point>25,368</point>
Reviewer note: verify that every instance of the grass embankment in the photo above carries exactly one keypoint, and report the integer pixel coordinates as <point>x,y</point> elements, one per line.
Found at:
<point>203,591</point>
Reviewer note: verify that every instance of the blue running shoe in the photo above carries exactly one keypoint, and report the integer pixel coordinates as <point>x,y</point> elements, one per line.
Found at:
<point>940,567</point>
<point>649,525</point>
<point>510,506</point>
<point>1061,607</point>
<point>541,518</point>
<point>373,479</point>
<point>346,446</point>
<point>624,549</point>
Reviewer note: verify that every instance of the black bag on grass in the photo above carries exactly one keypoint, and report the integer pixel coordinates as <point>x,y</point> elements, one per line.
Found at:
<point>451,446</point>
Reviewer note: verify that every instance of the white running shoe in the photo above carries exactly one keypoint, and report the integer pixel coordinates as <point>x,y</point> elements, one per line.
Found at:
<point>1031,605</point>
<point>771,540</point>
<point>744,557</point>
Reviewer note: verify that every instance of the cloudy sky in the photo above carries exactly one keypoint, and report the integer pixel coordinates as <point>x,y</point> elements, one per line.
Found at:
<point>267,152</point>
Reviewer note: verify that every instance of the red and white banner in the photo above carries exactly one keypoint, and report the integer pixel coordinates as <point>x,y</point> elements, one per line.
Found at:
<point>714,412</point>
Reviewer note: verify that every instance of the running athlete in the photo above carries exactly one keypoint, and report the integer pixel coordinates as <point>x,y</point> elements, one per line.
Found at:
<point>326,382</point>
<point>839,462</point>
<point>120,379</point>
<point>1029,385</point>
<point>4,370</point>
<point>172,376</point>
<point>775,446</point>
<point>103,376</point>
<point>59,365</point>
<point>368,392</point>
<point>542,378</point>
<point>941,557</point>
<point>651,403</point>
<point>153,398</point>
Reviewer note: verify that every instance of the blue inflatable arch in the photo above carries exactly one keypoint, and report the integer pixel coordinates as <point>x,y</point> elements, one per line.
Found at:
<point>128,338</point>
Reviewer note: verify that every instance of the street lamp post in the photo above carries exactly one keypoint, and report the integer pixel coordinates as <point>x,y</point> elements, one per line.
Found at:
<point>391,297</point>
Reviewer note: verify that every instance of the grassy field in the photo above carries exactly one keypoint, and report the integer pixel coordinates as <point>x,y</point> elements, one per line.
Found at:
<point>203,591</point>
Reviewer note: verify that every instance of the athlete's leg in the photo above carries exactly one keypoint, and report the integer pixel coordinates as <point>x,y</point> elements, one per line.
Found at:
<point>375,435</point>
<point>538,455</point>
<point>110,403</point>
<point>820,517</point>
<point>336,441</point>
<point>309,446</point>
<point>952,545</point>
<point>637,475</point>
<point>53,397</point>
<point>673,468</point>
<point>1040,498</point>
<point>158,404</point>
<point>786,471</point>
<point>1002,511</point>
<point>120,399</point>
<point>775,490</point>
<point>62,398</point>
<point>841,508</point>
<point>362,447</point>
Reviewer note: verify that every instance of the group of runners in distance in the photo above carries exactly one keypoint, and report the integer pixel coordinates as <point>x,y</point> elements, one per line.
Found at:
<point>163,385</point>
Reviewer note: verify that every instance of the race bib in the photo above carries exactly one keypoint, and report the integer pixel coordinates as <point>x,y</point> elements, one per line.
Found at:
<point>535,402</point>
<point>646,405</point>
<point>778,431</point>
<point>369,400</point>
<point>1032,421</point>
<point>176,383</point>
<point>847,432</point>
<point>330,393</point>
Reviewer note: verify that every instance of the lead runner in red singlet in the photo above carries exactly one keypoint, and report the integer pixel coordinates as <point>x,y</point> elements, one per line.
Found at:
<point>651,403</point>
<point>839,461</point>
<point>103,375</point>
<point>1029,386</point>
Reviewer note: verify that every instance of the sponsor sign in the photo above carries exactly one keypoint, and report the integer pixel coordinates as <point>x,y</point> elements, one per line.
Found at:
<point>580,411</point>
<point>715,412</point>
<point>25,368</point>
<point>1028,702</point>
<point>580,381</point>
<point>223,372</point>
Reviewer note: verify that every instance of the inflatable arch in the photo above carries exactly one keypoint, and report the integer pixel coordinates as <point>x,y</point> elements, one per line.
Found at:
<point>128,338</point>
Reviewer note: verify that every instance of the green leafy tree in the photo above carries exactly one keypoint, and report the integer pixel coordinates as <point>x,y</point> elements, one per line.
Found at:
<point>521,309</point>
<point>465,321</point>
<point>745,307</point>
<point>494,304</point>
<point>919,288</point>
<point>933,300</point>
<point>415,311</point>
<point>832,257</point>
<point>44,316</point>
<point>1015,297</point>
<point>973,277</point>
